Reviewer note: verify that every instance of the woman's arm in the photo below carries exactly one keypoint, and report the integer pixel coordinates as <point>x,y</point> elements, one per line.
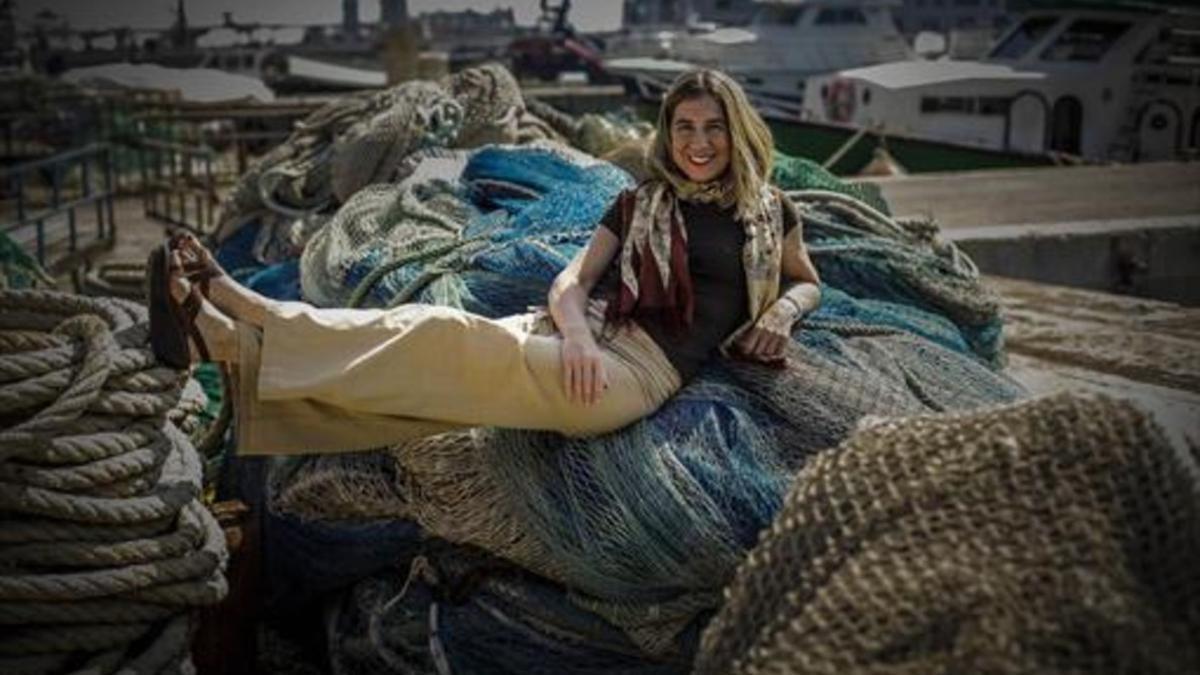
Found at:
<point>583,370</point>
<point>800,293</point>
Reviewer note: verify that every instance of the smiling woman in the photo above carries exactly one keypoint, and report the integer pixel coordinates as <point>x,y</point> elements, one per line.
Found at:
<point>703,259</point>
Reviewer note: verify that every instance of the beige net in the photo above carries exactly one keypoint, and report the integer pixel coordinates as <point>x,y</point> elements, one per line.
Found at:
<point>1051,536</point>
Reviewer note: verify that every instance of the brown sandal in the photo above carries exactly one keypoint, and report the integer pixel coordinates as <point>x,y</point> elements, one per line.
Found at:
<point>197,271</point>
<point>172,322</point>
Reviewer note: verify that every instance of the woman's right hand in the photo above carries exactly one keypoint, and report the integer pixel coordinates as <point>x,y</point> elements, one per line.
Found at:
<point>584,378</point>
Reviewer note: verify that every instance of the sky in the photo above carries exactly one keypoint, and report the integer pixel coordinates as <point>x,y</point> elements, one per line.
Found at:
<point>586,15</point>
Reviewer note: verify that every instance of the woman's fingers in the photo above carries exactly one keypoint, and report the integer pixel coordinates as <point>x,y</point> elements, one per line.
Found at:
<point>570,377</point>
<point>587,379</point>
<point>763,345</point>
<point>584,377</point>
<point>758,343</point>
<point>774,345</point>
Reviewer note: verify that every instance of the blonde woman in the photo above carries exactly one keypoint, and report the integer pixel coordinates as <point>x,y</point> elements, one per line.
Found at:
<point>703,259</point>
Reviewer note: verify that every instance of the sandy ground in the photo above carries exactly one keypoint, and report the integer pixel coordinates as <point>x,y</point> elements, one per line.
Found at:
<point>1144,351</point>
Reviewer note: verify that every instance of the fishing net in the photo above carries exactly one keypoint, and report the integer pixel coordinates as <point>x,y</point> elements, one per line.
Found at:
<point>636,531</point>
<point>485,231</point>
<point>18,269</point>
<point>1049,536</point>
<point>359,140</point>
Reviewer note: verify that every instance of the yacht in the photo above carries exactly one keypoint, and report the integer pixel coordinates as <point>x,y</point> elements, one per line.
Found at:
<point>784,43</point>
<point>1119,82</point>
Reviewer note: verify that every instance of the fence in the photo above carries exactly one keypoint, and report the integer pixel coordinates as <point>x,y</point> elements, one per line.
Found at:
<point>61,208</point>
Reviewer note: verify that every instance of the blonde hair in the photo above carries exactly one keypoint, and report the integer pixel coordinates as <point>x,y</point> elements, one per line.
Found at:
<point>751,146</point>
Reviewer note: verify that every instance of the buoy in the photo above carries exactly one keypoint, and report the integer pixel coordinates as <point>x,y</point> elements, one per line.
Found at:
<point>883,164</point>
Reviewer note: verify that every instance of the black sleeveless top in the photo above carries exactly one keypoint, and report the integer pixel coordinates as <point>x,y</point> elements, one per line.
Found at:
<point>715,240</point>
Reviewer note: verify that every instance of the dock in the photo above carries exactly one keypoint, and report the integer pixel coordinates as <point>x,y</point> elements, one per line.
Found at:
<point>1047,196</point>
<point>1129,229</point>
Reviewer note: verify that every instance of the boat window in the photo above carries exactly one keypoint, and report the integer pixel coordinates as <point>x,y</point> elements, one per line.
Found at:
<point>993,105</point>
<point>1085,40</point>
<point>947,104</point>
<point>1176,47</point>
<point>965,105</point>
<point>1024,37</point>
<point>778,15</point>
<point>833,17</point>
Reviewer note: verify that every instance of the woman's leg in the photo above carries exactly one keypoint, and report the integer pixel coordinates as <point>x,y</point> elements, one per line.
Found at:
<point>329,380</point>
<point>363,378</point>
<point>224,292</point>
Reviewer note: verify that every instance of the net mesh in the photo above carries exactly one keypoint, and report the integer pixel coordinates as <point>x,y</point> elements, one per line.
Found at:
<point>1052,536</point>
<point>638,529</point>
<point>536,553</point>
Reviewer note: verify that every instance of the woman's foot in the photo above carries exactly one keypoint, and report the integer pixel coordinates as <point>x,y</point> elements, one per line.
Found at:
<point>219,288</point>
<point>183,325</point>
<point>215,335</point>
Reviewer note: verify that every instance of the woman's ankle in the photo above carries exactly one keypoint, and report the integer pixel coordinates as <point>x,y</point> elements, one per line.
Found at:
<point>237,301</point>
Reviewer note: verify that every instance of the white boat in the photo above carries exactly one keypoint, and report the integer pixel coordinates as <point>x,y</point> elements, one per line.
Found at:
<point>1116,82</point>
<point>785,43</point>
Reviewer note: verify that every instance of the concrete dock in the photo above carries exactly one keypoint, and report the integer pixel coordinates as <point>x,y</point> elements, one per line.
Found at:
<point>1047,195</point>
<point>1130,229</point>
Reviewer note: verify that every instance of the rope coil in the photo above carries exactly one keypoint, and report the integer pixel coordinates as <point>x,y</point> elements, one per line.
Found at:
<point>104,544</point>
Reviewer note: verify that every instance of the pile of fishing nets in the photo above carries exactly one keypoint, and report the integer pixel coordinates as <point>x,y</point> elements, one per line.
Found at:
<point>1056,535</point>
<point>106,548</point>
<point>507,551</point>
<point>615,549</point>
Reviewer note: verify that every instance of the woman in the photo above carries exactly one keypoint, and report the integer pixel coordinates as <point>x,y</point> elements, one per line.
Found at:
<point>703,258</point>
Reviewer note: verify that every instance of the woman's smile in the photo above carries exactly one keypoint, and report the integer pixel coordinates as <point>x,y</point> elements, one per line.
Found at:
<point>700,139</point>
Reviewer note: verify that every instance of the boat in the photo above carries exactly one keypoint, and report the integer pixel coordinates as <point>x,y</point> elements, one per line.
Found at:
<point>773,56</point>
<point>1100,81</point>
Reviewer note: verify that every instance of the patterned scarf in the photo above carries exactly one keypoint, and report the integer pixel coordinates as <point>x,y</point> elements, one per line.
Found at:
<point>653,257</point>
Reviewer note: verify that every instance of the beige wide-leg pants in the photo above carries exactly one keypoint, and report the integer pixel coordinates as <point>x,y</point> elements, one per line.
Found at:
<point>333,380</point>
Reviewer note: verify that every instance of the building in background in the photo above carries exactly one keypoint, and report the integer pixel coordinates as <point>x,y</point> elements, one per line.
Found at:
<point>350,17</point>
<point>393,12</point>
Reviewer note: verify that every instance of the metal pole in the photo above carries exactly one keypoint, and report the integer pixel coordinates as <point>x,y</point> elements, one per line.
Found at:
<point>72,234</point>
<point>19,188</point>
<point>108,190</point>
<point>41,241</point>
<point>55,187</point>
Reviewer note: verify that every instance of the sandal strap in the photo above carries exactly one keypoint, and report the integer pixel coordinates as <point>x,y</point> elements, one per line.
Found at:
<point>191,309</point>
<point>200,274</point>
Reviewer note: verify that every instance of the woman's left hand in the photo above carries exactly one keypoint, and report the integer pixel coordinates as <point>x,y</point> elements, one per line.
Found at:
<point>763,345</point>
<point>766,340</point>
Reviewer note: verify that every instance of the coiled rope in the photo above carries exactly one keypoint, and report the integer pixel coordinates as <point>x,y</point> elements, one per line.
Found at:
<point>105,545</point>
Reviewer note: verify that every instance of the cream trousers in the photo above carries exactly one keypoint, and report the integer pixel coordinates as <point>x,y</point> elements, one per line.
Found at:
<point>334,380</point>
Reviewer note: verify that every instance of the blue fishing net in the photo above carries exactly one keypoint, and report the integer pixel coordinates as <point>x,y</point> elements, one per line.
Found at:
<point>635,532</point>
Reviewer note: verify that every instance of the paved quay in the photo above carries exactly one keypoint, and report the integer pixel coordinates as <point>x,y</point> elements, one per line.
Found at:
<point>1048,195</point>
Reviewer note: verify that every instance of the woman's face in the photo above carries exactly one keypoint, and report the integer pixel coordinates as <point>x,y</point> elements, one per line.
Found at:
<point>700,138</point>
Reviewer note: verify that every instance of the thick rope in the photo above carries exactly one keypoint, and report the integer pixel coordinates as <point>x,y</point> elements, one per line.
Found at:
<point>84,611</point>
<point>105,545</point>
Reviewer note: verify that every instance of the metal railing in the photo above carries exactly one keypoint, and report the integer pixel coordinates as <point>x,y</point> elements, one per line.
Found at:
<point>179,186</point>
<point>60,209</point>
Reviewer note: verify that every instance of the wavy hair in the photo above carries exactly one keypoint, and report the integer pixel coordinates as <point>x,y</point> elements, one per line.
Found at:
<point>750,142</point>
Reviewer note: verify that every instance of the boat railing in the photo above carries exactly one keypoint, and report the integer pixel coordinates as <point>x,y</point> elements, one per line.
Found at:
<point>60,208</point>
